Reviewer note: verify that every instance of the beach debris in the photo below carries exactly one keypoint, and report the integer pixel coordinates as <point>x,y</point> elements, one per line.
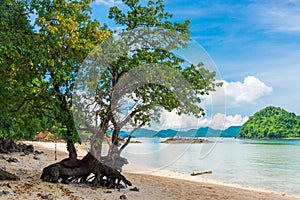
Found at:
<point>46,196</point>
<point>107,191</point>
<point>38,152</point>
<point>4,175</point>
<point>134,189</point>
<point>200,173</point>
<point>28,184</point>
<point>11,159</point>
<point>36,158</point>
<point>123,196</point>
<point>9,146</point>
<point>4,192</point>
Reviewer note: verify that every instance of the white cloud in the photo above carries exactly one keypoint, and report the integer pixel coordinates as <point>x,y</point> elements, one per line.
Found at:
<point>246,92</point>
<point>109,3</point>
<point>283,20</point>
<point>235,94</point>
<point>170,120</point>
<point>221,121</point>
<point>277,15</point>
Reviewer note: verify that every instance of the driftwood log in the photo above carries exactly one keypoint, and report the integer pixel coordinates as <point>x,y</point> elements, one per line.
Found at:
<point>200,173</point>
<point>74,170</point>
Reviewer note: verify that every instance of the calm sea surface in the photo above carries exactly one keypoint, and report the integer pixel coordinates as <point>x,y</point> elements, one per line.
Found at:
<point>269,164</point>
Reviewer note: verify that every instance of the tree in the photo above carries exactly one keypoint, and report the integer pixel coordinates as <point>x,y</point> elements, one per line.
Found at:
<point>19,76</point>
<point>129,79</point>
<point>66,34</point>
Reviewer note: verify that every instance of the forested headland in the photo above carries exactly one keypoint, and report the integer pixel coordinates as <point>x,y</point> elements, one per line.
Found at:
<point>271,122</point>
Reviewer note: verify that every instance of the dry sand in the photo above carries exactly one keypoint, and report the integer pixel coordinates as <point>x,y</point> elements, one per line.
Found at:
<point>159,185</point>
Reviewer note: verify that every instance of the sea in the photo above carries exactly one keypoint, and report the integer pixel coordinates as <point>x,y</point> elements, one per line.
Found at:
<point>267,164</point>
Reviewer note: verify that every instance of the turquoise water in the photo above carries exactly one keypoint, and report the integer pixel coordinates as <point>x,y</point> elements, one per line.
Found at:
<point>269,164</point>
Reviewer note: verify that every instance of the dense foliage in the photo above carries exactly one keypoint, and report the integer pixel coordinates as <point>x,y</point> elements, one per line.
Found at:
<point>271,122</point>
<point>19,76</point>
<point>39,63</point>
<point>44,44</point>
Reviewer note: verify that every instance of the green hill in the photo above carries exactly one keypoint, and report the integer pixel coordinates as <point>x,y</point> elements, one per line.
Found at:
<point>271,122</point>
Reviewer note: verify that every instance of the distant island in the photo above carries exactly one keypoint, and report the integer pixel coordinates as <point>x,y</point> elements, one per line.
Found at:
<point>271,122</point>
<point>192,133</point>
<point>180,140</point>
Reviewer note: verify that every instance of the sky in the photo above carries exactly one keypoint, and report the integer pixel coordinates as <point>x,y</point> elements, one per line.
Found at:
<point>255,46</point>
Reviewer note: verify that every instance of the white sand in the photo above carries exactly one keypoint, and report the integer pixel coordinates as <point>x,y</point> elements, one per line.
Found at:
<point>162,184</point>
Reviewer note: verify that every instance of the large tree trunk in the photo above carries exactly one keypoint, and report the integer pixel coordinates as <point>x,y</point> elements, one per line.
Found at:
<point>96,145</point>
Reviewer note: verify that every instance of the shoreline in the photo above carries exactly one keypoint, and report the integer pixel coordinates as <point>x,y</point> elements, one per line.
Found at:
<point>141,173</point>
<point>130,169</point>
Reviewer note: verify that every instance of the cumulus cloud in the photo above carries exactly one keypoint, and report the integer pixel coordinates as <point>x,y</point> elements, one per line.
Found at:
<point>108,2</point>
<point>248,91</point>
<point>222,121</point>
<point>237,93</point>
<point>170,120</point>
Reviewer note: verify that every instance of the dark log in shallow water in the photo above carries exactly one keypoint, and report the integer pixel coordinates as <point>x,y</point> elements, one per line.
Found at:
<point>200,173</point>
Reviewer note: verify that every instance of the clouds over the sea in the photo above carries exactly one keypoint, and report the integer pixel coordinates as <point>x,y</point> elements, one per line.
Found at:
<point>231,95</point>
<point>235,94</point>
<point>170,120</point>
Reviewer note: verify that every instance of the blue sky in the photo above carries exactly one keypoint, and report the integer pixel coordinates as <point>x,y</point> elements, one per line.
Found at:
<point>255,45</point>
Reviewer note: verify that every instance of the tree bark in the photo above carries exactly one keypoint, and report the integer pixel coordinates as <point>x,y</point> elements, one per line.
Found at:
<point>80,170</point>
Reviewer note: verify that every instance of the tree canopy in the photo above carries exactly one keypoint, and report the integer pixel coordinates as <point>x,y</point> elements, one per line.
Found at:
<point>131,77</point>
<point>271,122</point>
<point>19,74</point>
<point>40,63</point>
<point>128,77</point>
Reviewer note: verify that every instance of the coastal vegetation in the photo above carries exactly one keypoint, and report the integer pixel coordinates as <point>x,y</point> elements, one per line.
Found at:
<point>271,122</point>
<point>47,45</point>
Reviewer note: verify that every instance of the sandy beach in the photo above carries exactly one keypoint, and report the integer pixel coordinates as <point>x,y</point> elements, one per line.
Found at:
<point>160,184</point>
